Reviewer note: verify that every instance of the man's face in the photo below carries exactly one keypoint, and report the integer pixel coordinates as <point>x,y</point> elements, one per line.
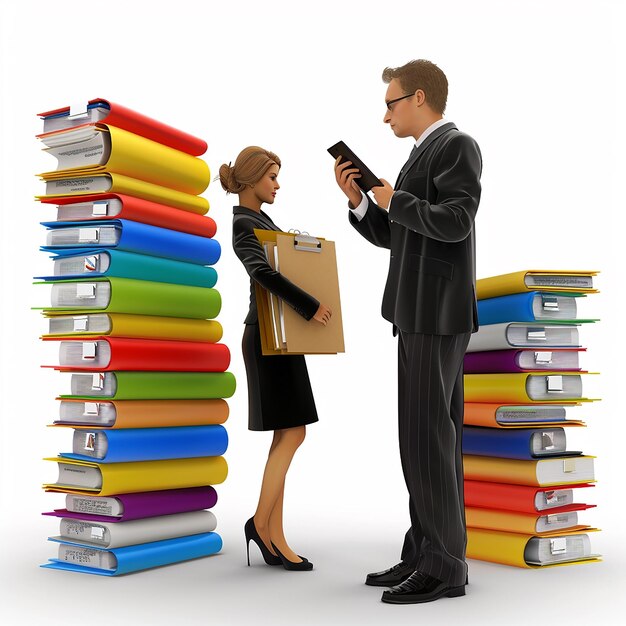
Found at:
<point>400,114</point>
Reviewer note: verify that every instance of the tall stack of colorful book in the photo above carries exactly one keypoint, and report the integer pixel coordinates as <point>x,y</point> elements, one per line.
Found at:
<point>522,374</point>
<point>132,307</point>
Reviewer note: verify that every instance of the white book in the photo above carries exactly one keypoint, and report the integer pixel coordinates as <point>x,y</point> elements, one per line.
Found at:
<point>524,335</point>
<point>133,532</point>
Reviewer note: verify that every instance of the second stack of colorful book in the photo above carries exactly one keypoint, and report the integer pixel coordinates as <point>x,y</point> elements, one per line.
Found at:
<point>522,373</point>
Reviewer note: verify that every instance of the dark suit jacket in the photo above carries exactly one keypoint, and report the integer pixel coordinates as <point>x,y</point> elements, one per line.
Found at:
<point>430,231</point>
<point>251,254</point>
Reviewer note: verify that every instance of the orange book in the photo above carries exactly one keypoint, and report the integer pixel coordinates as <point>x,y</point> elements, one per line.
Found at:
<point>499,415</point>
<point>87,414</point>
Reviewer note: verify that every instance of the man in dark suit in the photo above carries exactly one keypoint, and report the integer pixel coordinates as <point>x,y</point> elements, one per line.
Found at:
<point>427,222</point>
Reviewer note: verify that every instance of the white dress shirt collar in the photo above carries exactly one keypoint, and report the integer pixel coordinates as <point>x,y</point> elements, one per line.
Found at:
<point>433,127</point>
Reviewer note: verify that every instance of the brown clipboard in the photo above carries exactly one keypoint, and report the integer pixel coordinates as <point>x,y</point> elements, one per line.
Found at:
<point>310,263</point>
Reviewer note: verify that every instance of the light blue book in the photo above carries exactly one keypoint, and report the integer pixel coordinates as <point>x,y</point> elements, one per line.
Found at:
<point>75,557</point>
<point>90,263</point>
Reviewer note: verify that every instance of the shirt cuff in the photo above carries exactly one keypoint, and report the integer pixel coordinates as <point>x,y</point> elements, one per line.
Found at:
<point>361,210</point>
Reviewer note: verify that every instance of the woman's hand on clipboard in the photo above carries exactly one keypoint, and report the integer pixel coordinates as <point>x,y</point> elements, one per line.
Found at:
<point>323,314</point>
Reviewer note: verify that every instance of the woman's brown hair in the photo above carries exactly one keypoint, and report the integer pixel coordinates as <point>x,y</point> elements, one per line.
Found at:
<point>250,166</point>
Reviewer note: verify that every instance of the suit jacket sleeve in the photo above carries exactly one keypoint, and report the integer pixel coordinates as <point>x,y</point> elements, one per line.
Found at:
<point>457,180</point>
<point>374,226</point>
<point>250,252</point>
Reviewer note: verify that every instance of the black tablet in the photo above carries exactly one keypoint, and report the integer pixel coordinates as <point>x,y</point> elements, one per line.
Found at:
<point>367,180</point>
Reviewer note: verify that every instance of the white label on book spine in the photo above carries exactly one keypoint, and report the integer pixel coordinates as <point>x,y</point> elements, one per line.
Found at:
<point>78,109</point>
<point>558,545</point>
<point>555,384</point>
<point>85,290</point>
<point>553,519</point>
<point>536,334</point>
<point>547,441</point>
<point>543,357</point>
<point>569,465</point>
<point>97,532</point>
<point>90,441</point>
<point>89,349</point>
<point>81,322</point>
<point>97,381</point>
<point>99,209</point>
<point>88,235</point>
<point>91,408</point>
<point>550,303</point>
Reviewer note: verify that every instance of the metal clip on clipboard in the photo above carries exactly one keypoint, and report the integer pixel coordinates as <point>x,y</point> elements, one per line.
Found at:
<point>304,242</point>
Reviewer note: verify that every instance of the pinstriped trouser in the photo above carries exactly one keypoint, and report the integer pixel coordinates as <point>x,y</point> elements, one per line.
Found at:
<point>430,420</point>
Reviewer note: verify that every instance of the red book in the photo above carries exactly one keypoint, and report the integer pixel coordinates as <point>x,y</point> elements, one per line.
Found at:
<point>138,210</point>
<point>143,125</point>
<point>525,499</point>
<point>100,354</point>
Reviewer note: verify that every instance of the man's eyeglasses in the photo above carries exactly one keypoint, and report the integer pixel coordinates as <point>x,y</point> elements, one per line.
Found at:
<point>390,108</point>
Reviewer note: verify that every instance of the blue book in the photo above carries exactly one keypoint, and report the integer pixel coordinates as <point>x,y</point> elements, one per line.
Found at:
<point>77,237</point>
<point>97,263</point>
<point>522,443</point>
<point>117,561</point>
<point>148,444</point>
<point>532,306</point>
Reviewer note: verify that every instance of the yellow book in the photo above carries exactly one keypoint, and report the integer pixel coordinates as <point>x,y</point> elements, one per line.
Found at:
<point>105,479</point>
<point>109,182</point>
<point>97,148</point>
<point>528,523</point>
<point>538,472</point>
<point>140,326</point>
<point>543,387</point>
<point>572,281</point>
<point>530,551</point>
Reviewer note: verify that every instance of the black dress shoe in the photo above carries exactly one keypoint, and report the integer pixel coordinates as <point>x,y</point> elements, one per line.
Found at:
<point>420,587</point>
<point>390,577</point>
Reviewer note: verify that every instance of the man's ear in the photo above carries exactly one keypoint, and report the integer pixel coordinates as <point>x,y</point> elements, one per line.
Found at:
<point>420,97</point>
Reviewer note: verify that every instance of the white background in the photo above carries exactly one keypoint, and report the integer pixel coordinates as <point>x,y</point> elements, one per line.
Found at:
<point>539,85</point>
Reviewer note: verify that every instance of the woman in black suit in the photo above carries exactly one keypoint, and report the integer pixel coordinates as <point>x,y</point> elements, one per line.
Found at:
<point>279,391</point>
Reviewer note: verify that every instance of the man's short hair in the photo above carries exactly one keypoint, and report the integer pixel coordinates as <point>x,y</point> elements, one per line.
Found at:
<point>424,75</point>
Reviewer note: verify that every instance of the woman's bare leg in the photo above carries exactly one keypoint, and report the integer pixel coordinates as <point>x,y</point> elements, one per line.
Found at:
<point>268,518</point>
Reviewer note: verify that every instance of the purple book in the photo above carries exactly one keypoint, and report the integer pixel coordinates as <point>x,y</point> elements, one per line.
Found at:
<point>129,506</point>
<point>525,360</point>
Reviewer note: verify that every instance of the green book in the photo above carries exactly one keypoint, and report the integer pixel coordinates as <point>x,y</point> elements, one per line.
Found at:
<point>126,295</point>
<point>152,385</point>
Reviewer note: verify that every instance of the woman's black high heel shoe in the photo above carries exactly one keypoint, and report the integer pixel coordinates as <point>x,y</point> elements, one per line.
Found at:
<point>252,535</point>
<point>304,566</point>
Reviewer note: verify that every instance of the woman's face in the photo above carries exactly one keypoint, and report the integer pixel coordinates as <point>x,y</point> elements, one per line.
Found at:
<point>266,188</point>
